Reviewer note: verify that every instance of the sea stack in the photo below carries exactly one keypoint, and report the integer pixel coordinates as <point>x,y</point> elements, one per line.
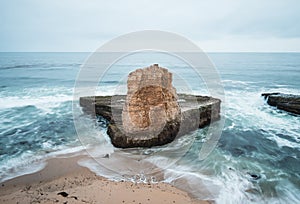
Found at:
<point>151,101</point>
<point>151,113</point>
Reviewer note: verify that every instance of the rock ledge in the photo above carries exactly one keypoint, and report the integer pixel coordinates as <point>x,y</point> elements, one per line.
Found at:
<point>286,102</point>
<point>196,112</point>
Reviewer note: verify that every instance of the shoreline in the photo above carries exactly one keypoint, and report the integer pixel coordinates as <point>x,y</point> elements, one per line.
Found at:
<point>63,180</point>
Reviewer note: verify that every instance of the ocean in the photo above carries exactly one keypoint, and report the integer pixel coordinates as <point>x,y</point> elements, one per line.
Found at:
<point>256,160</point>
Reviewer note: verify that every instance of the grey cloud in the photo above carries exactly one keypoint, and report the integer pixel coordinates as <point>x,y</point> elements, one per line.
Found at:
<point>77,25</point>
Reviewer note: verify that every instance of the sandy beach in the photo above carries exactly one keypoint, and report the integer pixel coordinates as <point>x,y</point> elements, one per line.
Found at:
<point>64,181</point>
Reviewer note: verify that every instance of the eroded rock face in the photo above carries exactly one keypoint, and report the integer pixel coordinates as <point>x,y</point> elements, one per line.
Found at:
<point>151,101</point>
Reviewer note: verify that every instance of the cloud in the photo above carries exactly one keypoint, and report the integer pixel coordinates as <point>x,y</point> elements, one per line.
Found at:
<point>77,25</point>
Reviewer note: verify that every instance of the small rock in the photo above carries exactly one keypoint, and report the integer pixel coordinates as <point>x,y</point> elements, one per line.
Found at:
<point>255,176</point>
<point>63,194</point>
<point>286,102</point>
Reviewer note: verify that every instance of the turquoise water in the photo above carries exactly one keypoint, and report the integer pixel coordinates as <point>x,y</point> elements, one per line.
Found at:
<point>257,158</point>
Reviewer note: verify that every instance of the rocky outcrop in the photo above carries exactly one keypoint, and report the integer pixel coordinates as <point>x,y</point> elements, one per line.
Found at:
<point>196,112</point>
<point>286,102</point>
<point>151,113</point>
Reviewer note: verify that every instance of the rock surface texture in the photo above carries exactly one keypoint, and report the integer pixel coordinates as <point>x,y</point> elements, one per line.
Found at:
<point>151,113</point>
<point>286,102</point>
<point>151,102</point>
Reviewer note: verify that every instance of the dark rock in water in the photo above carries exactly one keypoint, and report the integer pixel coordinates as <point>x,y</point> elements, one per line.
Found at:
<point>266,95</point>
<point>286,102</point>
<point>254,176</point>
<point>237,152</point>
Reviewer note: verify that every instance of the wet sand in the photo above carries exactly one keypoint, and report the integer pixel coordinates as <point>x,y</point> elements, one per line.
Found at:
<point>64,181</point>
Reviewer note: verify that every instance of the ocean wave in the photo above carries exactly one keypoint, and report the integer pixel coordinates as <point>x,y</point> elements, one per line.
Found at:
<point>281,142</point>
<point>45,103</point>
<point>26,163</point>
<point>42,98</point>
<point>41,66</point>
<point>227,81</point>
<point>31,162</point>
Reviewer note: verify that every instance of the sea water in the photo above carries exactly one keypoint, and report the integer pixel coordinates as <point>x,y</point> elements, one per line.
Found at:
<point>256,160</point>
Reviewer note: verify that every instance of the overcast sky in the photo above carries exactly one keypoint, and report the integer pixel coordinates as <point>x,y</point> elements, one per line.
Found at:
<point>83,25</point>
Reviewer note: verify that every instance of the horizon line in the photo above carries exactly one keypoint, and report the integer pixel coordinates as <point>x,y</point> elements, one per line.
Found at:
<point>162,51</point>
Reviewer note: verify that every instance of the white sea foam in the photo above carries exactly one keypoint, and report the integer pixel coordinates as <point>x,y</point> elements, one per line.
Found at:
<point>24,170</point>
<point>236,82</point>
<point>203,185</point>
<point>26,163</point>
<point>199,185</point>
<point>31,162</point>
<point>43,98</point>
<point>249,111</point>
<point>100,170</point>
<point>65,151</point>
<point>284,142</point>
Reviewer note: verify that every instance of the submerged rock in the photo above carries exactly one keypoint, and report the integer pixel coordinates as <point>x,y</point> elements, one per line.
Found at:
<point>286,102</point>
<point>151,114</point>
<point>255,176</point>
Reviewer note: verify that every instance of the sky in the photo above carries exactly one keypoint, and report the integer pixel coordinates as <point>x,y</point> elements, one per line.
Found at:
<point>215,25</point>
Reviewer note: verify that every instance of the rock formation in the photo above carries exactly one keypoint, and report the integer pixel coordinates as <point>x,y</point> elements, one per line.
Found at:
<point>151,113</point>
<point>195,114</point>
<point>286,102</point>
<point>151,101</point>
